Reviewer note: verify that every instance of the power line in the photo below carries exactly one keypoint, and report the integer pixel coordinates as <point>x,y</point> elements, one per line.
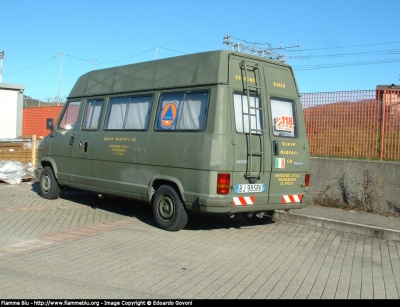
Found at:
<point>364,53</point>
<point>336,65</point>
<point>94,61</point>
<point>326,48</point>
<point>299,68</point>
<point>394,51</point>
<point>129,57</point>
<point>353,46</point>
<point>14,72</point>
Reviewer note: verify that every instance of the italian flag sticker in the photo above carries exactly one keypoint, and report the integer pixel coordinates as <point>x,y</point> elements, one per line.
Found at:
<point>280,163</point>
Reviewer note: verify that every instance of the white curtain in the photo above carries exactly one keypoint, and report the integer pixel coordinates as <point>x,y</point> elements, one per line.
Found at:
<point>191,111</point>
<point>116,113</point>
<point>128,113</point>
<point>242,114</point>
<point>92,114</point>
<point>138,113</point>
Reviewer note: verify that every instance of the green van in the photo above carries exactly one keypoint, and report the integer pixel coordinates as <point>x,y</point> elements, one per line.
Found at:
<point>214,132</point>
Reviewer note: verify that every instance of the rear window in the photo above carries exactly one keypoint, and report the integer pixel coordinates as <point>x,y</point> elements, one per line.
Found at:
<point>283,117</point>
<point>248,116</point>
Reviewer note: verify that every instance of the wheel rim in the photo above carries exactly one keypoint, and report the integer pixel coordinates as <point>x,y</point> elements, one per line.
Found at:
<point>165,207</point>
<point>46,183</point>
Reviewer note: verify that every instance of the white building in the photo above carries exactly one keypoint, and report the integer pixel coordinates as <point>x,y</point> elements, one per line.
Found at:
<point>11,110</point>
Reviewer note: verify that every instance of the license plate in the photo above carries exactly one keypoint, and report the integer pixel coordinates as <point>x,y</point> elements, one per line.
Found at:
<point>250,188</point>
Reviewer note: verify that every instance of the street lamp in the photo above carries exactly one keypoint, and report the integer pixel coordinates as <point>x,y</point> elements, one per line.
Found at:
<point>59,81</point>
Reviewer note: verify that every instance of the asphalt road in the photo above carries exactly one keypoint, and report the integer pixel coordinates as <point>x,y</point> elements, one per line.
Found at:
<point>83,247</point>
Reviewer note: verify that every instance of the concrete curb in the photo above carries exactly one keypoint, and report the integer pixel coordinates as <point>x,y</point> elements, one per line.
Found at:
<point>365,230</point>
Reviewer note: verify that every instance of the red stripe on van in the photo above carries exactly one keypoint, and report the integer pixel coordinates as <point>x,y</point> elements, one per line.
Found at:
<point>292,198</point>
<point>243,201</point>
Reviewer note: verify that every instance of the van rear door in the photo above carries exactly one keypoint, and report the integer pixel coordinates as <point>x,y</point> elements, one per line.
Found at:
<point>251,137</point>
<point>290,150</point>
<point>271,153</point>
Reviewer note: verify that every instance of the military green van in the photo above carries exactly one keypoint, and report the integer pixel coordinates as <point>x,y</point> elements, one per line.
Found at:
<point>214,132</point>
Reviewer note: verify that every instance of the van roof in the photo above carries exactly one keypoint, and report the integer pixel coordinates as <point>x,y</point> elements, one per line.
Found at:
<point>204,68</point>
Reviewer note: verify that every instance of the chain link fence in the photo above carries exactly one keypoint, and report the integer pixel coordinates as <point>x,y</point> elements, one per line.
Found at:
<point>354,124</point>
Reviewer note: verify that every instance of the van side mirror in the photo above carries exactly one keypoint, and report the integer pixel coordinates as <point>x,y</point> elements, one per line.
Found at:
<point>49,123</point>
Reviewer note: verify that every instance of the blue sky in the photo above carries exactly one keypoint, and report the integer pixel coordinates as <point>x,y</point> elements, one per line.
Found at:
<point>345,45</point>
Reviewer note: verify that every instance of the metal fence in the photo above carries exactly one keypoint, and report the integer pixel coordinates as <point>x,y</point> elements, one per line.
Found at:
<point>354,124</point>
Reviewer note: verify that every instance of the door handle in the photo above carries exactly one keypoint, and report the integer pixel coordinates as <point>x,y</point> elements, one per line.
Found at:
<point>71,139</point>
<point>275,145</point>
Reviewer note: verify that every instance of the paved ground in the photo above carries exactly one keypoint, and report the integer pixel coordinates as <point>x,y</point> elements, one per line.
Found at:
<point>80,246</point>
<point>363,223</point>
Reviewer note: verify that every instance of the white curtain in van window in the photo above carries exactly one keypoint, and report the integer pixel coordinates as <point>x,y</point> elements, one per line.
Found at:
<point>193,112</point>
<point>117,113</point>
<point>242,114</point>
<point>92,114</point>
<point>137,117</point>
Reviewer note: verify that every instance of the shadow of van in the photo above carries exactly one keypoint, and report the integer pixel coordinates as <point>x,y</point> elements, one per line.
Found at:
<point>143,211</point>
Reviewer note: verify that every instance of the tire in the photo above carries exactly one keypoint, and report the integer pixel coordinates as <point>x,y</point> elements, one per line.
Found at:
<point>169,212</point>
<point>49,187</point>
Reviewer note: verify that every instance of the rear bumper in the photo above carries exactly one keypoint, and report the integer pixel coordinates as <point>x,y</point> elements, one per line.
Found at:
<point>228,205</point>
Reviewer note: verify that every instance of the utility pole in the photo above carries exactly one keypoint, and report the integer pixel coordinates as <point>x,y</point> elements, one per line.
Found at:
<point>59,81</point>
<point>1,64</point>
<point>155,54</point>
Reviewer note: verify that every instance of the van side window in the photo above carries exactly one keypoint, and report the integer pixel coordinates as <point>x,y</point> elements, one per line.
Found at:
<point>70,116</point>
<point>283,117</point>
<point>91,119</point>
<point>242,113</point>
<point>182,111</point>
<point>128,113</point>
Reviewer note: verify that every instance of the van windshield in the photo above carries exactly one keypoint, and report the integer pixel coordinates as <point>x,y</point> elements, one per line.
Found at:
<point>70,116</point>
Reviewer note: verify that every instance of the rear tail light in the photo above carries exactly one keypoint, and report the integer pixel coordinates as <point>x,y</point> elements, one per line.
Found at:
<point>223,183</point>
<point>307,180</point>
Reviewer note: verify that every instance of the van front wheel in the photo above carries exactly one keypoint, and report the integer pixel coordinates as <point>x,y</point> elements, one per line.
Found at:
<point>48,184</point>
<point>169,212</point>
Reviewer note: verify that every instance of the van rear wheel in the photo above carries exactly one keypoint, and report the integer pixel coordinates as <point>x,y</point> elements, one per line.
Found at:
<point>49,187</point>
<point>168,209</point>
